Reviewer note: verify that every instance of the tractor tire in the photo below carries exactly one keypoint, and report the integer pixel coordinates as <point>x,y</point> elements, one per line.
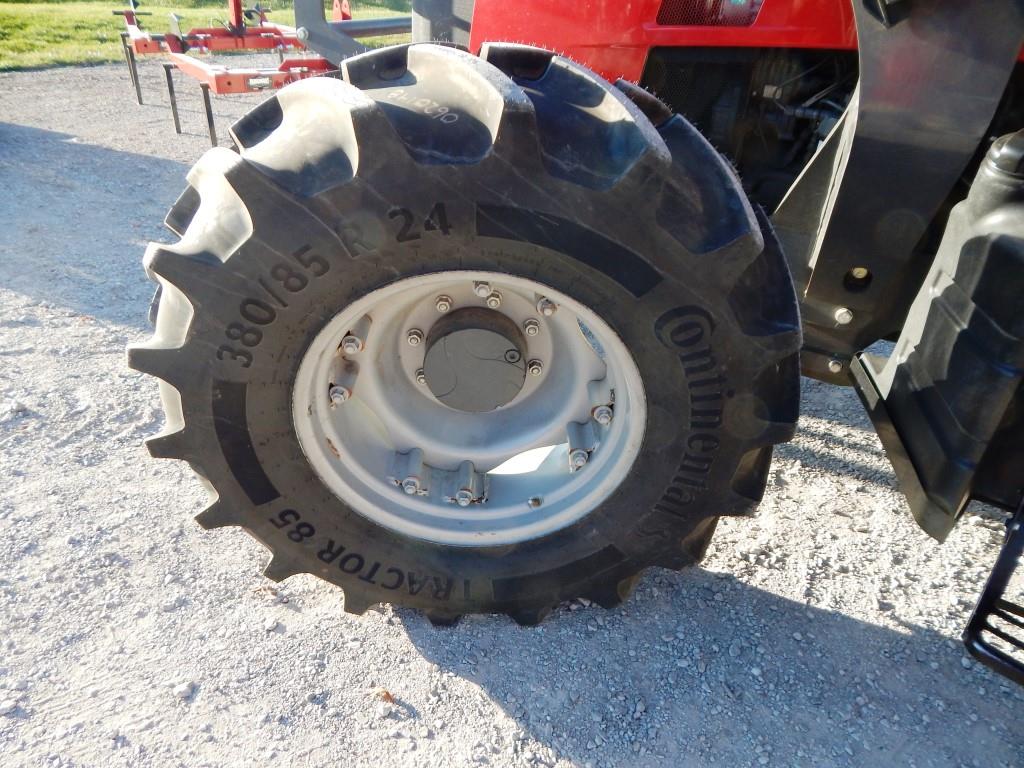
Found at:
<point>538,196</point>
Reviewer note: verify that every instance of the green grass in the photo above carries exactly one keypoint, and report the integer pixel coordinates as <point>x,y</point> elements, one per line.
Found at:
<point>34,35</point>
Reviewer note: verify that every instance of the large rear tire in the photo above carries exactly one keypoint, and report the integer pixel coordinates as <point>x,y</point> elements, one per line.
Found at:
<point>431,167</point>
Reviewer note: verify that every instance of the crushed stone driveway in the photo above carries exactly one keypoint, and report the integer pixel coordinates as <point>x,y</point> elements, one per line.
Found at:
<point>823,632</point>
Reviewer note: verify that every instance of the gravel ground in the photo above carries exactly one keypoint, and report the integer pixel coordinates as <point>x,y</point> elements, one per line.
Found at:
<point>822,632</point>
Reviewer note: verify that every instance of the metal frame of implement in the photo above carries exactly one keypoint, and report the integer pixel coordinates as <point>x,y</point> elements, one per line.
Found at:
<point>237,35</point>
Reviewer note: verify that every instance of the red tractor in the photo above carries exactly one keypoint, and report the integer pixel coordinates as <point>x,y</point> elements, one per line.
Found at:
<point>481,327</point>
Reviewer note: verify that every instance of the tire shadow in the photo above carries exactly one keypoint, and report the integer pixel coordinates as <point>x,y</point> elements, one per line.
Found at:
<point>701,669</point>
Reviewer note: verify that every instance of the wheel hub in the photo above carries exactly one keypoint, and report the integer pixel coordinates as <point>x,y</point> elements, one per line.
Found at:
<point>469,408</point>
<point>475,360</point>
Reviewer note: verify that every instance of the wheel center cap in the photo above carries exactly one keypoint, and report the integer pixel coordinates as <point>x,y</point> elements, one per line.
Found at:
<point>475,360</point>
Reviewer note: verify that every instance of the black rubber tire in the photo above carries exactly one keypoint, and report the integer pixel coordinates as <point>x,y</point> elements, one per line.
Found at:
<point>547,172</point>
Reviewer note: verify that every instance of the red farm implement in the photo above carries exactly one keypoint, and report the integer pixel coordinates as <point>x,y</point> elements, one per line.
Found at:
<point>245,30</point>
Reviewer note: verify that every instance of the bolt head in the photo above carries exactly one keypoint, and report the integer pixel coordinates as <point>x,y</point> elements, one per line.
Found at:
<point>843,316</point>
<point>411,485</point>
<point>443,303</point>
<point>421,377</point>
<point>534,501</point>
<point>414,337</point>
<point>835,365</point>
<point>464,497</point>
<point>531,327</point>
<point>339,394</point>
<point>578,458</point>
<point>494,300</point>
<point>602,414</point>
<point>302,33</point>
<point>351,345</point>
<point>546,307</point>
<point>483,290</point>
<point>535,367</point>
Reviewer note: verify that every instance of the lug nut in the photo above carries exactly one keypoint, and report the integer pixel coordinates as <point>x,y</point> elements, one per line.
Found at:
<point>421,377</point>
<point>494,300</point>
<point>835,365</point>
<point>602,414</point>
<point>578,459</point>
<point>414,337</point>
<point>411,485</point>
<point>351,345</point>
<point>531,327</point>
<point>535,367</point>
<point>483,290</point>
<point>464,497</point>
<point>546,306</point>
<point>339,395</point>
<point>443,303</point>
<point>843,316</point>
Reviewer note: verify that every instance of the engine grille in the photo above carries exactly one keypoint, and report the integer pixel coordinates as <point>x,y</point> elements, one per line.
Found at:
<point>709,13</point>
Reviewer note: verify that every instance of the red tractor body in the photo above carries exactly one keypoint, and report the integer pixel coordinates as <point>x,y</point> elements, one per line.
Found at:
<point>614,38</point>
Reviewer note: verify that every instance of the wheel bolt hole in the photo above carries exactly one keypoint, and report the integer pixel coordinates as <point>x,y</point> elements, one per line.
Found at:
<point>857,279</point>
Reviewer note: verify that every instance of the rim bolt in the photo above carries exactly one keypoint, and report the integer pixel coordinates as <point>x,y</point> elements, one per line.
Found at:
<point>443,303</point>
<point>578,459</point>
<point>546,306</point>
<point>414,337</point>
<point>464,497</point>
<point>421,377</point>
<point>494,300</point>
<point>531,327</point>
<point>351,344</point>
<point>835,365</point>
<point>535,367</point>
<point>534,501</point>
<point>411,485</point>
<point>602,414</point>
<point>339,395</point>
<point>483,290</point>
<point>843,316</point>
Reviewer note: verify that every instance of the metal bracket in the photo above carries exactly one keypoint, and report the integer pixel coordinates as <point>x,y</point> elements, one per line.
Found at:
<point>992,607</point>
<point>133,68</point>
<point>169,76</point>
<point>208,109</point>
<point>927,93</point>
<point>888,12</point>
<point>334,39</point>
